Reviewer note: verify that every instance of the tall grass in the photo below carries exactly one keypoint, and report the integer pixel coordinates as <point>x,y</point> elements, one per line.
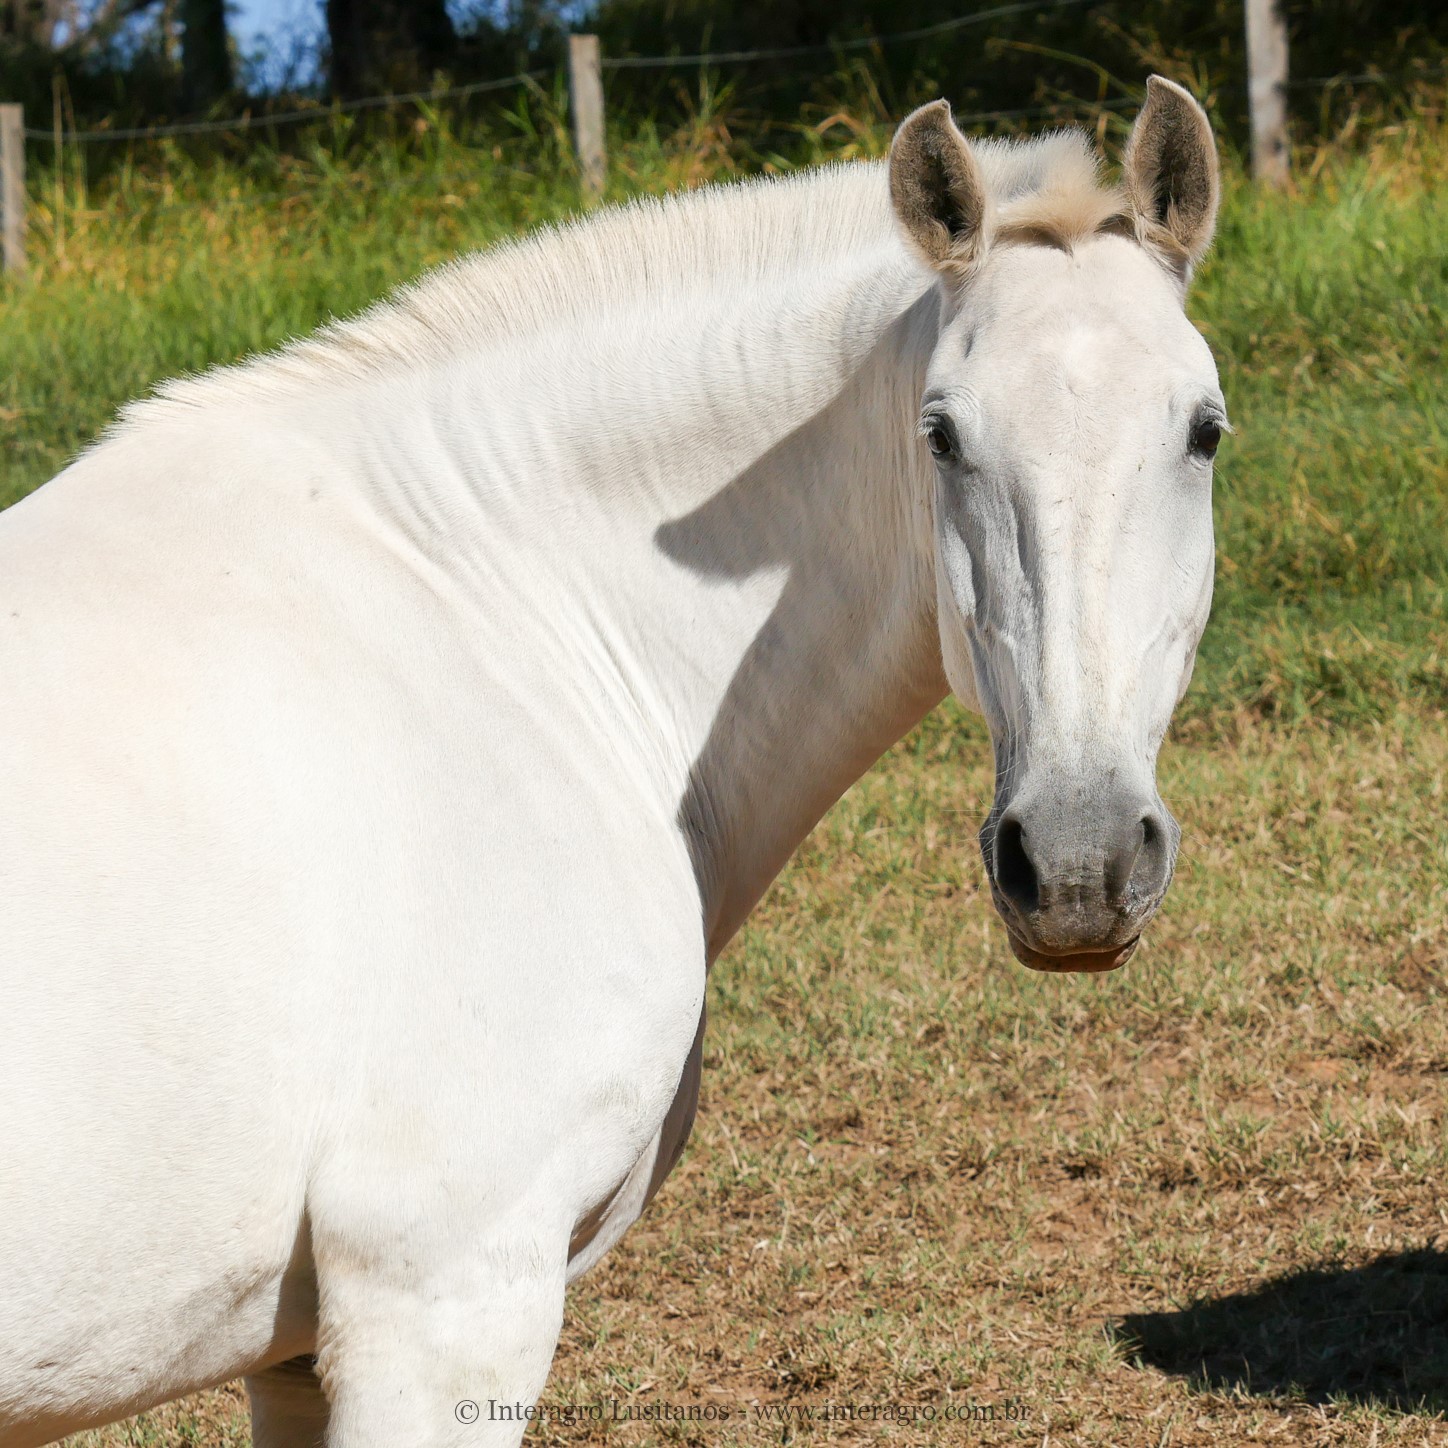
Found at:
<point>1327,311</point>
<point>1326,308</point>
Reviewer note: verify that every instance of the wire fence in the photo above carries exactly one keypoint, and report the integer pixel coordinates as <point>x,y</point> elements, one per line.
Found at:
<point>263,119</point>
<point>701,60</point>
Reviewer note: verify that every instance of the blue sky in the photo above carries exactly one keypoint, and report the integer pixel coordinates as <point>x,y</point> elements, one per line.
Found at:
<point>251,19</point>
<point>281,27</point>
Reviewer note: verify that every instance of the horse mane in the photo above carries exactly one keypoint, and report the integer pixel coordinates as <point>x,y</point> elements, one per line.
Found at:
<point>1044,189</point>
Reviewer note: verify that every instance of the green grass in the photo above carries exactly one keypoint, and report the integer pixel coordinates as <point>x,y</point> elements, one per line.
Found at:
<point>1327,310</point>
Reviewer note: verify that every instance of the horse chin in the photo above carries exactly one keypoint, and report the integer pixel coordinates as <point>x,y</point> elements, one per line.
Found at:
<point>1091,962</point>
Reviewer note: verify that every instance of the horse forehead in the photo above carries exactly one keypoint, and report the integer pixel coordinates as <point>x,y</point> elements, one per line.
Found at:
<point>1087,317</point>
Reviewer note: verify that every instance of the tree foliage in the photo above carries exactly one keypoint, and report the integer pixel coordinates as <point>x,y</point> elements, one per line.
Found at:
<point>385,46</point>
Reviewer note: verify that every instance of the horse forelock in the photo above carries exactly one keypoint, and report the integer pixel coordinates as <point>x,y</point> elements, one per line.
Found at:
<point>1049,191</point>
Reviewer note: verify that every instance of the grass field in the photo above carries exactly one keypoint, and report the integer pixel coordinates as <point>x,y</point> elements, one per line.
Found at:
<point>1203,1200</point>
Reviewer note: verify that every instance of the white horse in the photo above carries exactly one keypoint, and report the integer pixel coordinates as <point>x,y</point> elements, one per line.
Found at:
<point>394,729</point>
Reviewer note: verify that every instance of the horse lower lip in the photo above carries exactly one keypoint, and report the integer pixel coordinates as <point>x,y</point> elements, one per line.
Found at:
<point>1090,962</point>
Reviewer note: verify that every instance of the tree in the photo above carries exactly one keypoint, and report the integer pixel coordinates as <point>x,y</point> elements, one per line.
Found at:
<point>387,45</point>
<point>31,22</point>
<point>206,73</point>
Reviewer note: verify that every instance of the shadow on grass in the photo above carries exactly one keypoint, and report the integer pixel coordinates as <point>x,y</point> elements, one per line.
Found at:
<point>1375,1334</point>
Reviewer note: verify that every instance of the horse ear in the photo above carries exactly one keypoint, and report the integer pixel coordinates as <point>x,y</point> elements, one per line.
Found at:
<point>1171,173</point>
<point>937,189</point>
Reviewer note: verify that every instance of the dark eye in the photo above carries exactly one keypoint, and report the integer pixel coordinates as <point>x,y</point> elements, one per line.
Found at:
<point>938,440</point>
<point>1206,435</point>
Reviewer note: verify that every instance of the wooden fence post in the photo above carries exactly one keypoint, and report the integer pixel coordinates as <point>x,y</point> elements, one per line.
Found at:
<point>12,188</point>
<point>1267,90</point>
<point>585,77</point>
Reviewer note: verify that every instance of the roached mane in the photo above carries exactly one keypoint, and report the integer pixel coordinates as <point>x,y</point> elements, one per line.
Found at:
<point>1046,189</point>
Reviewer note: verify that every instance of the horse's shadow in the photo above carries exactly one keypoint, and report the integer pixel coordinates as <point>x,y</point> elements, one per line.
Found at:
<point>1374,1334</point>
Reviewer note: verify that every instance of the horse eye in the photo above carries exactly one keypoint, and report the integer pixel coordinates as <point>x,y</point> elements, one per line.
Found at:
<point>1206,435</point>
<point>937,439</point>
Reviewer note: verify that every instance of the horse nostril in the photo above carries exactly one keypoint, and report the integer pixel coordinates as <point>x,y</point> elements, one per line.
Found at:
<point>1121,860</point>
<point>1141,870</point>
<point>1015,874</point>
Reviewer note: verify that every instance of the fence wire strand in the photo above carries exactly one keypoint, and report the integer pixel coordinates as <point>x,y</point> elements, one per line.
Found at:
<point>285,118</point>
<point>868,42</point>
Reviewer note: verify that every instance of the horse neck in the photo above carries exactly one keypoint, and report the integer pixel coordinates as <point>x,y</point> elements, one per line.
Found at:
<point>720,515</point>
<point>834,520</point>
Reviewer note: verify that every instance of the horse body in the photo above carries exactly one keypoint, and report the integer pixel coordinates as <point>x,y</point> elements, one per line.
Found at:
<point>391,745</point>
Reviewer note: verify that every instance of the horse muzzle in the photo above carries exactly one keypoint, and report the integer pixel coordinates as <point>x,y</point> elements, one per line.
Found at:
<point>1076,881</point>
